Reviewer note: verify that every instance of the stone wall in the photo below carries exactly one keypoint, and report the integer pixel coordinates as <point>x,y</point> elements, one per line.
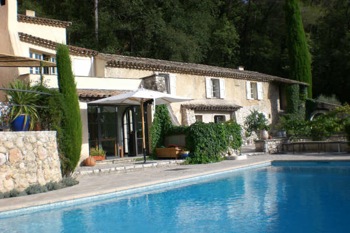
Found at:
<point>270,146</point>
<point>28,158</point>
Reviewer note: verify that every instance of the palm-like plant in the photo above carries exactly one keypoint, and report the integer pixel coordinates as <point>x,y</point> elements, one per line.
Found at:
<point>22,99</point>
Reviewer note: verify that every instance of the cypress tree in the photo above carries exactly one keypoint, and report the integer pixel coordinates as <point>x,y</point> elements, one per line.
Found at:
<point>71,126</point>
<point>299,56</point>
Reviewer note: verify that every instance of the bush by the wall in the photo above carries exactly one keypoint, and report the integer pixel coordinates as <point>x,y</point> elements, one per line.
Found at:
<point>36,188</point>
<point>161,124</point>
<point>207,141</point>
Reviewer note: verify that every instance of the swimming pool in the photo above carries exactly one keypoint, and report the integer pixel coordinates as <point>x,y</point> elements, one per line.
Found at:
<point>283,197</point>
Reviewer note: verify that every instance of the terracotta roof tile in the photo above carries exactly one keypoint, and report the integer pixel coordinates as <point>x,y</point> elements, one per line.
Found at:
<point>93,94</point>
<point>188,68</point>
<point>52,45</point>
<point>43,21</point>
<point>211,105</point>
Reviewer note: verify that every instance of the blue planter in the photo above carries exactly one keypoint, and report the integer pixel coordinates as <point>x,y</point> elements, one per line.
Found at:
<point>184,155</point>
<point>19,124</point>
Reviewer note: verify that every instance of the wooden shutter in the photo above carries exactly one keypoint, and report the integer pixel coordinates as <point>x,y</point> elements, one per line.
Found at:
<point>172,83</point>
<point>260,91</point>
<point>248,88</point>
<point>209,87</point>
<point>222,88</point>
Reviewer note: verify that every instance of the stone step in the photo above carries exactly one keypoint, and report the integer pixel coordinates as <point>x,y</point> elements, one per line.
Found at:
<point>120,160</point>
<point>119,167</point>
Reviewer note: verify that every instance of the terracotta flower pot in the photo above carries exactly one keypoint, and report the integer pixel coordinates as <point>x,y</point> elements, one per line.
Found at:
<point>99,157</point>
<point>90,161</point>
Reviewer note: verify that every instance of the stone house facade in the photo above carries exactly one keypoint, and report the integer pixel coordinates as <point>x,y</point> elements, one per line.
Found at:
<point>219,94</point>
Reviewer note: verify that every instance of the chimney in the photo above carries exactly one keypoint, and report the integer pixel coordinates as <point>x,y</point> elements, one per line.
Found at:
<point>240,67</point>
<point>30,13</point>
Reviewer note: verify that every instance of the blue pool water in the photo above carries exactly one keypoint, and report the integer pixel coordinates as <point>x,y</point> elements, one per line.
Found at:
<point>283,197</point>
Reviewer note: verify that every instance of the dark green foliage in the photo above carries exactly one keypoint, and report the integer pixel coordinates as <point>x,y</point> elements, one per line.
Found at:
<point>255,122</point>
<point>212,32</point>
<point>175,130</point>
<point>51,109</point>
<point>160,126</point>
<point>310,106</point>
<point>347,131</point>
<point>331,51</point>
<point>23,102</point>
<point>299,56</point>
<point>54,186</point>
<point>233,130</point>
<point>69,181</point>
<point>293,100</point>
<point>295,126</point>
<point>36,188</point>
<point>320,128</point>
<point>71,139</point>
<point>207,141</point>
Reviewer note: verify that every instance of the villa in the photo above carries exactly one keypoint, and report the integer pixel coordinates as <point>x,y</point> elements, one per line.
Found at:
<point>218,94</point>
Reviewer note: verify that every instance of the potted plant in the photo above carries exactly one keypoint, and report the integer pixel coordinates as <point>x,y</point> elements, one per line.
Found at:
<point>89,161</point>
<point>98,153</point>
<point>257,122</point>
<point>22,99</point>
<point>184,153</point>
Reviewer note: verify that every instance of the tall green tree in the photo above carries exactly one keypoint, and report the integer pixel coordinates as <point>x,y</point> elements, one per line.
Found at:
<point>331,66</point>
<point>71,125</point>
<point>299,55</point>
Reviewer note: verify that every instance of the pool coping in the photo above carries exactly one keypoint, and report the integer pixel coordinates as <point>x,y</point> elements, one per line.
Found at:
<point>74,195</point>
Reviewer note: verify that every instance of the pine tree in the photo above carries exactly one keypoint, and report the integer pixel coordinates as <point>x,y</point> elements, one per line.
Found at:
<point>299,56</point>
<point>71,139</point>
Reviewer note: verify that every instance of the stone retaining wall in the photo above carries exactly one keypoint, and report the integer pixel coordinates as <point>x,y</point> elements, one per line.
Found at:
<point>270,146</point>
<point>28,158</point>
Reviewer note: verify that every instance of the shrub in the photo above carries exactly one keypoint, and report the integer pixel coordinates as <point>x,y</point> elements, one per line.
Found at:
<point>96,151</point>
<point>50,110</point>
<point>322,127</point>
<point>71,125</point>
<point>207,141</point>
<point>295,126</point>
<point>36,188</point>
<point>255,121</point>
<point>160,126</point>
<point>54,186</point>
<point>69,181</point>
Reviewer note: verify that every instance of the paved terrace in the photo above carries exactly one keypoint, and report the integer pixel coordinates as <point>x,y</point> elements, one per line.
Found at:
<point>135,174</point>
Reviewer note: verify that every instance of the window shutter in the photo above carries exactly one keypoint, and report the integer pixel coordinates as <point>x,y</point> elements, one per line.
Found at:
<point>209,88</point>
<point>260,91</point>
<point>172,83</point>
<point>248,88</point>
<point>222,88</point>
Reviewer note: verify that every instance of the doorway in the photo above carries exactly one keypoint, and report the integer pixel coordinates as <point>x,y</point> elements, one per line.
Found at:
<point>102,126</point>
<point>132,134</point>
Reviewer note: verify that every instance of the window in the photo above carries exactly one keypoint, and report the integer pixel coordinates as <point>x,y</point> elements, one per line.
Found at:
<point>215,88</point>
<point>44,57</point>
<point>2,2</point>
<point>169,82</point>
<point>199,118</point>
<point>254,90</point>
<point>219,118</point>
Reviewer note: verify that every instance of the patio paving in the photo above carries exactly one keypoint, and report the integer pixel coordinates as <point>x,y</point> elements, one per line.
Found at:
<point>135,174</point>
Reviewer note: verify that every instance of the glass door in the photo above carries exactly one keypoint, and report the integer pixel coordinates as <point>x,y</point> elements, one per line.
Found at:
<point>102,124</point>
